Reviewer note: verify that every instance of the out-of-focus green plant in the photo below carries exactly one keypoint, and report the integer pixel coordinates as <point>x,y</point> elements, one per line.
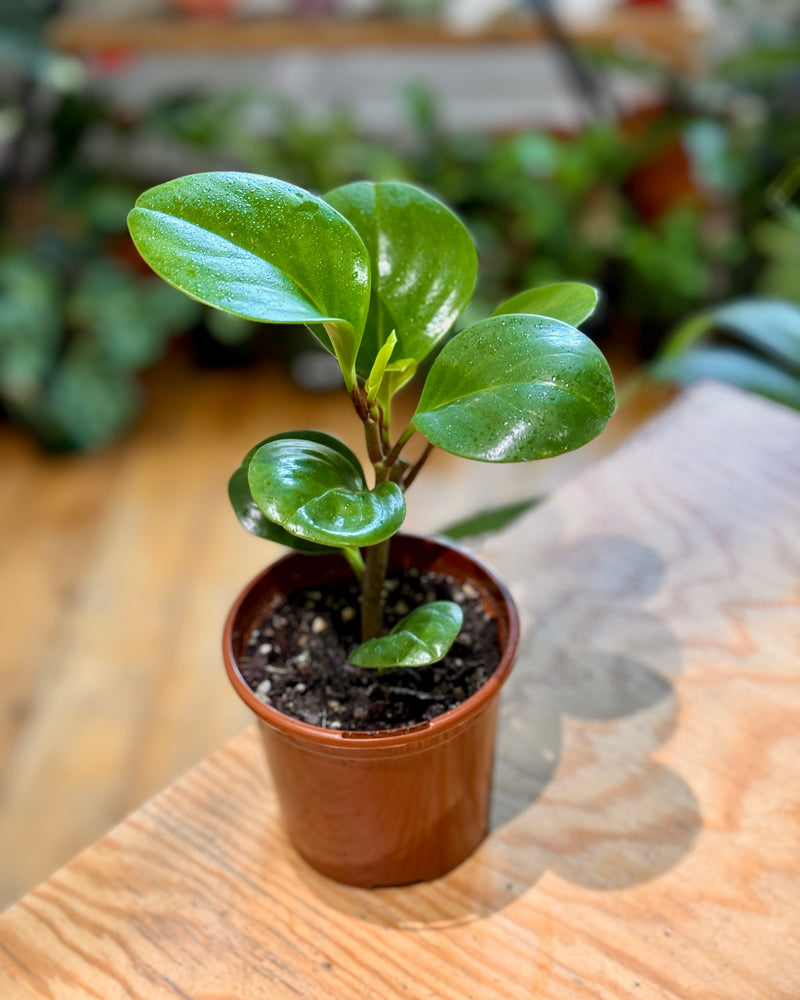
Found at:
<point>738,125</point>
<point>541,207</point>
<point>742,128</point>
<point>69,353</point>
<point>77,320</point>
<point>751,343</point>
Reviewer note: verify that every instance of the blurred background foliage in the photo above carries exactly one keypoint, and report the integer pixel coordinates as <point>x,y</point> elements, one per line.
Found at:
<point>671,212</point>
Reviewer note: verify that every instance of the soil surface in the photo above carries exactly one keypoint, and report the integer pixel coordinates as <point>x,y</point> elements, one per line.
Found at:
<point>296,660</point>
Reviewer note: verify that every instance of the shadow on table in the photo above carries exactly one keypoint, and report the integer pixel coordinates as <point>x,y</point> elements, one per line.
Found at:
<point>576,789</point>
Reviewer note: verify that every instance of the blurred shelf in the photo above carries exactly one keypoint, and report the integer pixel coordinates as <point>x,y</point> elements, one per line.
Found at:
<point>664,34</point>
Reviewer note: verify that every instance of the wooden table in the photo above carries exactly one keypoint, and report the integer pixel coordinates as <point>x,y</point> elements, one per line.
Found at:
<point>646,839</point>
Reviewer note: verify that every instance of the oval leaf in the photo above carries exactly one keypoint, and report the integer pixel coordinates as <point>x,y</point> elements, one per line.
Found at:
<point>422,637</point>
<point>423,265</point>
<point>516,388</point>
<point>258,248</point>
<point>570,301</point>
<point>317,492</point>
<point>250,515</point>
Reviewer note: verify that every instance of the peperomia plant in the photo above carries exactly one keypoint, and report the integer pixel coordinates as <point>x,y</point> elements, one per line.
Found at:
<point>379,273</point>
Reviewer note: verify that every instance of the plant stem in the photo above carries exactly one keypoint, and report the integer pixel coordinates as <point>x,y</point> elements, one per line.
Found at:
<point>373,438</point>
<point>394,454</point>
<point>353,556</point>
<point>359,397</point>
<point>377,560</point>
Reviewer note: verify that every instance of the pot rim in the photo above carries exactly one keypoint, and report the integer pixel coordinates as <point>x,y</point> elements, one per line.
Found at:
<point>441,727</point>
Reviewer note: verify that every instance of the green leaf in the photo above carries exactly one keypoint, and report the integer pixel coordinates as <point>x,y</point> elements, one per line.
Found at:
<point>250,515</point>
<point>515,388</point>
<point>261,249</point>
<point>570,301</point>
<point>769,325</point>
<point>422,637</point>
<point>379,367</point>
<point>317,491</point>
<point>423,265</point>
<point>398,373</point>
<point>388,377</point>
<point>737,367</point>
<point>489,520</point>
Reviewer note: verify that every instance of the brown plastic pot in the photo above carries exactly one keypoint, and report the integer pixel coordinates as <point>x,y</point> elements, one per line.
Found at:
<point>384,808</point>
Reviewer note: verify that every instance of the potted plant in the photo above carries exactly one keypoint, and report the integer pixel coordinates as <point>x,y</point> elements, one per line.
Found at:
<point>373,660</point>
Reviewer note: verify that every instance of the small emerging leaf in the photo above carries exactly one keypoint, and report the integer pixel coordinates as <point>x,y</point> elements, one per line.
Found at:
<point>516,388</point>
<point>317,491</point>
<point>422,637</point>
<point>379,367</point>
<point>398,374</point>
<point>570,301</point>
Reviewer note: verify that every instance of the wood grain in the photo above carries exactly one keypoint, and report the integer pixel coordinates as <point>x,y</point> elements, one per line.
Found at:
<point>647,821</point>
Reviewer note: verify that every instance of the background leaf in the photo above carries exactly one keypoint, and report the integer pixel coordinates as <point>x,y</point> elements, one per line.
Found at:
<point>570,301</point>
<point>423,265</point>
<point>422,637</point>
<point>317,491</point>
<point>515,388</point>
<point>727,364</point>
<point>771,326</point>
<point>258,248</point>
<point>489,520</point>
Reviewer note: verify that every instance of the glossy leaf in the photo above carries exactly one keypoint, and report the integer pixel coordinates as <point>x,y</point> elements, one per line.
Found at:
<point>378,371</point>
<point>261,249</point>
<point>317,491</point>
<point>737,367</point>
<point>423,265</point>
<point>398,374</point>
<point>422,637</point>
<point>570,301</point>
<point>250,515</point>
<point>388,377</point>
<point>515,388</point>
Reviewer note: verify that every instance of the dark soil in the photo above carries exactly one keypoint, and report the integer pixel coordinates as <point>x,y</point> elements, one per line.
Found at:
<point>296,660</point>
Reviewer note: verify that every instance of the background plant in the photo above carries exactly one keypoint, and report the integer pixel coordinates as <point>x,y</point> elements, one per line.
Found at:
<point>78,318</point>
<point>541,207</point>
